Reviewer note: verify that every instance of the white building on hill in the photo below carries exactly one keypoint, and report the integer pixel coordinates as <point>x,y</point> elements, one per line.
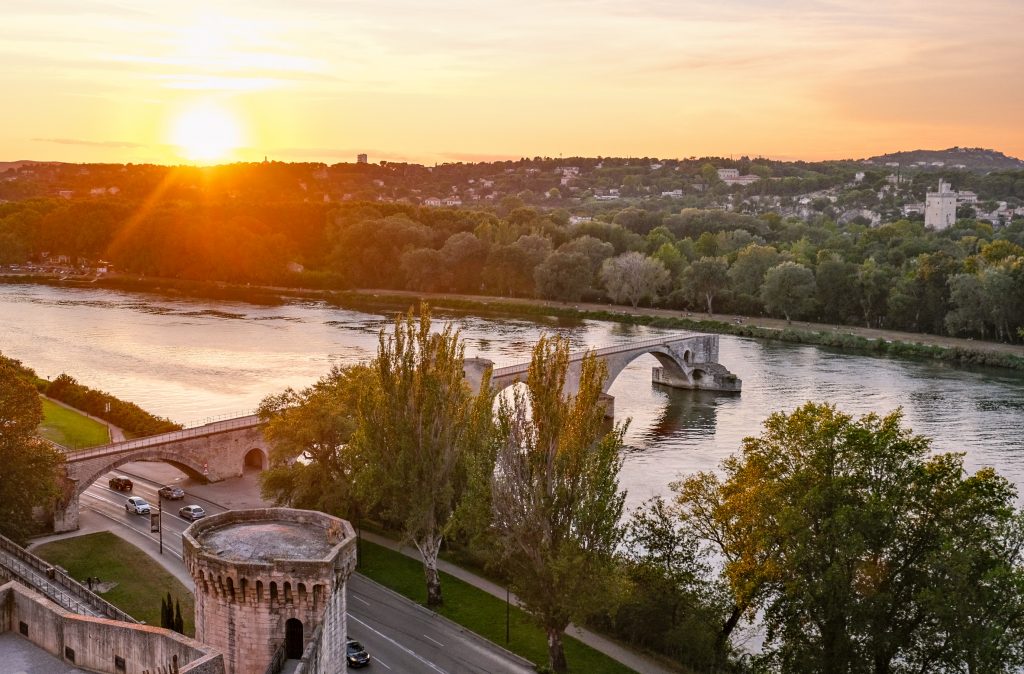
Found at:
<point>940,207</point>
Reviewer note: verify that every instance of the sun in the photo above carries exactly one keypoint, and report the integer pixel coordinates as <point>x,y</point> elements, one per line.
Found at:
<point>206,132</point>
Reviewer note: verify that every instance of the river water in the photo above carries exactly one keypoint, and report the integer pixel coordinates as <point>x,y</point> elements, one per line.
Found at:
<point>193,360</point>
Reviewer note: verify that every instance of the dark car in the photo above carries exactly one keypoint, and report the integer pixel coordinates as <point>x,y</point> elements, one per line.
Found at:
<point>171,493</point>
<point>192,512</point>
<point>120,483</point>
<point>355,654</point>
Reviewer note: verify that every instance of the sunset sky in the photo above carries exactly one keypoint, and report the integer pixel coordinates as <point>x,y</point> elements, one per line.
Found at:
<point>415,80</point>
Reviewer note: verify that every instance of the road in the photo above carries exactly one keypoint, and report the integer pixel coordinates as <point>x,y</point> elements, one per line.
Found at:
<point>400,635</point>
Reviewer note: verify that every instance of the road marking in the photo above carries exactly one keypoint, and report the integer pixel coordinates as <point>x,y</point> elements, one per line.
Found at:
<point>358,598</point>
<point>434,640</point>
<point>428,663</point>
<point>381,662</point>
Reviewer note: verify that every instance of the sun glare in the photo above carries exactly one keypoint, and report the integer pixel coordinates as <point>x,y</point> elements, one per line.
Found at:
<point>206,132</point>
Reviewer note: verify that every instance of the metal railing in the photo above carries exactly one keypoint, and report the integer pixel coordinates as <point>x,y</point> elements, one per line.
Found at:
<point>163,438</point>
<point>603,351</point>
<point>55,584</point>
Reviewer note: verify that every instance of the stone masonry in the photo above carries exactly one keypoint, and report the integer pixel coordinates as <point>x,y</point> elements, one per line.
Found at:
<point>266,579</point>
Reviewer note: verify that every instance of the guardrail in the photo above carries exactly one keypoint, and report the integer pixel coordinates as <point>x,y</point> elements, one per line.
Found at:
<point>172,436</point>
<point>55,584</point>
<point>603,351</point>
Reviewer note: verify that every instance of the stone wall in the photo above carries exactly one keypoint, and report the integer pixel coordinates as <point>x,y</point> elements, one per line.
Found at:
<point>102,645</point>
<point>242,607</point>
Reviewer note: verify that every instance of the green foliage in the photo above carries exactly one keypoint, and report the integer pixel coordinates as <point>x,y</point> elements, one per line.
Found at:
<point>788,290</point>
<point>312,464</point>
<point>128,416</point>
<point>480,612</point>
<point>556,503</point>
<point>30,465</point>
<point>70,428</point>
<point>865,552</point>
<point>420,431</point>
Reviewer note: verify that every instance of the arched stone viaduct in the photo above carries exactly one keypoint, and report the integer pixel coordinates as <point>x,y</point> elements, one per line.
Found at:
<point>687,361</point>
<point>211,453</point>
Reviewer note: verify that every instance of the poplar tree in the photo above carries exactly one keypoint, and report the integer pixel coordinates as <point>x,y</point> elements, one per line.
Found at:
<point>555,492</point>
<point>420,429</point>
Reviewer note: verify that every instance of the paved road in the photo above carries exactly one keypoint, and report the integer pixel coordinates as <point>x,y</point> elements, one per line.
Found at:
<point>400,635</point>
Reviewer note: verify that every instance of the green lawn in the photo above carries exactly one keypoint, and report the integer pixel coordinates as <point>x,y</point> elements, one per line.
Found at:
<point>70,428</point>
<point>479,611</point>
<point>141,582</point>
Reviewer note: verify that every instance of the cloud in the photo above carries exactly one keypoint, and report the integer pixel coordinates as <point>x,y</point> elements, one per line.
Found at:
<point>91,143</point>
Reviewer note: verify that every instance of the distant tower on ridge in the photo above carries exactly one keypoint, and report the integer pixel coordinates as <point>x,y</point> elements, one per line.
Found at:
<point>940,207</point>
<point>360,158</point>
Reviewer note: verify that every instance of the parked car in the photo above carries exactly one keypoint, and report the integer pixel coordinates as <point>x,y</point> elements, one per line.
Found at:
<point>137,505</point>
<point>171,492</point>
<point>120,483</point>
<point>355,654</point>
<point>192,512</point>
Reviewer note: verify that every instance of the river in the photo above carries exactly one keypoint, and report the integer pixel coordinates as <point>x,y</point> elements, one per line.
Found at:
<point>193,360</point>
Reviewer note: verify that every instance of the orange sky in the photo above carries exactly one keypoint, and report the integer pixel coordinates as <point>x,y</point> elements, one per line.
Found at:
<point>321,80</point>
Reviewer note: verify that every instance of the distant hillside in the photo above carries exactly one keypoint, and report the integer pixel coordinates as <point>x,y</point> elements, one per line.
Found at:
<point>4,165</point>
<point>971,158</point>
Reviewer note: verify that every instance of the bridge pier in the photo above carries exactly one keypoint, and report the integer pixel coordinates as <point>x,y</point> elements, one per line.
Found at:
<point>713,378</point>
<point>65,514</point>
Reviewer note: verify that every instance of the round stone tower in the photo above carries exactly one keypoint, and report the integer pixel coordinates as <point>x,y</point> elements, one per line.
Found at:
<point>271,579</point>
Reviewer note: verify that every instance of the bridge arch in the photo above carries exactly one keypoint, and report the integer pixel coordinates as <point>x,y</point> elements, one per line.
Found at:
<point>677,368</point>
<point>182,463</point>
<point>256,458</point>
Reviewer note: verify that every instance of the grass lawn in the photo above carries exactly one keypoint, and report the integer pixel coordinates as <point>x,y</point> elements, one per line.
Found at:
<point>478,611</point>
<point>141,582</point>
<point>71,429</point>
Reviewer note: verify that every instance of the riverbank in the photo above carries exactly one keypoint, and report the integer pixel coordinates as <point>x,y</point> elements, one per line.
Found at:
<point>871,341</point>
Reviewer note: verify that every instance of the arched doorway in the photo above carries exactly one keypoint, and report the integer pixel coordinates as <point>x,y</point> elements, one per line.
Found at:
<point>293,638</point>
<point>255,459</point>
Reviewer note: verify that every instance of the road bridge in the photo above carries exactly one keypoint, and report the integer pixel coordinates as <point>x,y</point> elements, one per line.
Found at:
<point>686,360</point>
<point>211,452</point>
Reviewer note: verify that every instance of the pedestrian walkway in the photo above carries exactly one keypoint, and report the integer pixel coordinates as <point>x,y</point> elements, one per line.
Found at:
<point>630,658</point>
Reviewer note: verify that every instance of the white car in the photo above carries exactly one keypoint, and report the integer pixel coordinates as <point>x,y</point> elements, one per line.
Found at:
<point>137,505</point>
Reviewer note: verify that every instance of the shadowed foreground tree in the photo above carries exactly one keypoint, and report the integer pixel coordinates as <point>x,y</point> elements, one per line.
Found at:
<point>556,500</point>
<point>29,465</point>
<point>865,552</point>
<point>419,431</point>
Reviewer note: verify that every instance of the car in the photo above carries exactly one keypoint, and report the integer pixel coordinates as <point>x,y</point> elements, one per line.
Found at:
<point>192,512</point>
<point>171,492</point>
<point>119,483</point>
<point>137,505</point>
<point>355,654</point>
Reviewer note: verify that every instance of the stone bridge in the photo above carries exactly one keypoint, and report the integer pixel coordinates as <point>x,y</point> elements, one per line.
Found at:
<point>687,361</point>
<point>211,453</point>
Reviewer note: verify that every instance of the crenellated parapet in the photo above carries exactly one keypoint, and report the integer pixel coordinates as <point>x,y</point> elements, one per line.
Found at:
<point>268,578</point>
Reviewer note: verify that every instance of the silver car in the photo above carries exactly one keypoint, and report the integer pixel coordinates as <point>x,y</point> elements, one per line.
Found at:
<point>137,505</point>
<point>192,512</point>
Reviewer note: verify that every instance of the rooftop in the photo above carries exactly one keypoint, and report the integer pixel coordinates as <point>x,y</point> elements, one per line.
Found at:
<point>21,655</point>
<point>265,541</point>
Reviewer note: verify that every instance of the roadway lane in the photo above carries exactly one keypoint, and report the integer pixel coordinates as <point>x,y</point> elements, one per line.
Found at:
<point>400,635</point>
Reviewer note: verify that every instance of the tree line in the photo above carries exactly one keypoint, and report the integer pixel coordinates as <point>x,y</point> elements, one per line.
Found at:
<point>862,550</point>
<point>965,281</point>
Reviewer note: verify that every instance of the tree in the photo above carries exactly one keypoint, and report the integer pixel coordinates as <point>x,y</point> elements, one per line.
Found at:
<point>673,604</point>
<point>29,464</point>
<point>865,552</point>
<point>419,430</point>
<point>705,278</point>
<point>788,289</point>
<point>836,281</point>
<point>556,501</point>
<point>179,622</point>
<point>312,463</point>
<point>630,277</point>
<point>563,276</point>
<point>425,269</point>
<point>873,283</point>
